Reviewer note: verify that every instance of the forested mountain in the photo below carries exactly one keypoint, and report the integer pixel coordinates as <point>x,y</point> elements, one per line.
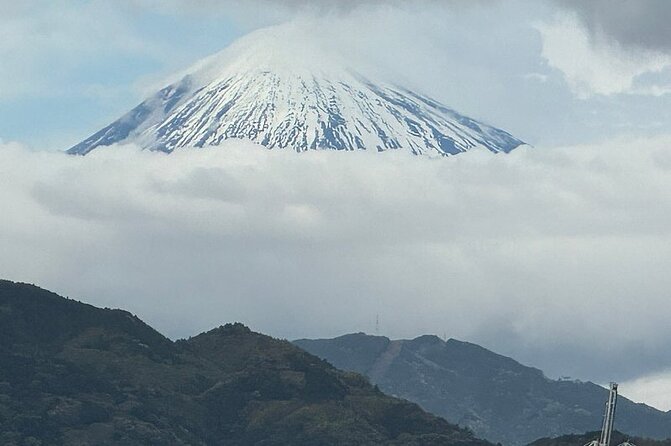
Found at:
<point>74,374</point>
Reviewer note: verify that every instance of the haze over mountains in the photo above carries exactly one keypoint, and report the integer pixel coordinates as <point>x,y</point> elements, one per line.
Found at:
<point>495,396</point>
<point>282,87</point>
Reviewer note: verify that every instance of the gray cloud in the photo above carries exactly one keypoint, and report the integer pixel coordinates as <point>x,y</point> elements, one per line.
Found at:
<point>290,6</point>
<point>634,23</point>
<point>539,254</point>
<point>263,12</point>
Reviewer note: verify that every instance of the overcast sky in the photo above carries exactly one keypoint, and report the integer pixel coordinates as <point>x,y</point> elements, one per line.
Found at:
<point>556,255</point>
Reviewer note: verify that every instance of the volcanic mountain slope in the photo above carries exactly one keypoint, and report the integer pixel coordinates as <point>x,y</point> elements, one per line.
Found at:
<point>495,396</point>
<point>73,374</point>
<point>282,87</point>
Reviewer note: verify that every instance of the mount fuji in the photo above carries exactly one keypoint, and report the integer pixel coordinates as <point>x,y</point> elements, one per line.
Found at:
<point>283,88</point>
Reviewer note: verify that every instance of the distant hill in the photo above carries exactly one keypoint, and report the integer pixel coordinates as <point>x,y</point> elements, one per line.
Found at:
<point>495,396</point>
<point>582,439</point>
<point>74,374</point>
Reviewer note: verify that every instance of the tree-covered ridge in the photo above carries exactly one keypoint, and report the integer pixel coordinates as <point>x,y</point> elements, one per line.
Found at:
<point>582,439</point>
<point>71,373</point>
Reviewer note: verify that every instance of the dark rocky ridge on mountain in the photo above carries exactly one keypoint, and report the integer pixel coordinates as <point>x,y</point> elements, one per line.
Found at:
<point>74,374</point>
<point>496,397</point>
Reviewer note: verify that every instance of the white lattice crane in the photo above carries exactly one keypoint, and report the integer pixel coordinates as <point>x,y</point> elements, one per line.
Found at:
<point>608,420</point>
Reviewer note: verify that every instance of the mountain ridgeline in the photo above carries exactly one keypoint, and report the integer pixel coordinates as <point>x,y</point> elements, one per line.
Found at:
<point>283,91</point>
<point>496,397</point>
<point>583,439</point>
<point>74,374</point>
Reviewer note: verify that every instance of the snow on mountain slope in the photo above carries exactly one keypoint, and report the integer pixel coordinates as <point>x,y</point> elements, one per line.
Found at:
<point>283,87</point>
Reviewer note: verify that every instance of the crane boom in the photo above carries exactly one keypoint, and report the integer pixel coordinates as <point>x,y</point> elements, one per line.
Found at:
<point>609,417</point>
<point>608,420</point>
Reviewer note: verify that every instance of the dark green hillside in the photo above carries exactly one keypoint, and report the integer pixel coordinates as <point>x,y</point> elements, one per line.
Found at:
<point>73,374</point>
<point>583,439</point>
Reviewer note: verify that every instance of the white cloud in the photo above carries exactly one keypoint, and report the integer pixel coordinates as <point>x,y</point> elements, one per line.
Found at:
<point>595,64</point>
<point>536,254</point>
<point>537,77</point>
<point>654,390</point>
<point>45,47</point>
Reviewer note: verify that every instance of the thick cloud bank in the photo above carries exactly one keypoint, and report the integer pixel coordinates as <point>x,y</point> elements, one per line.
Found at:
<point>557,256</point>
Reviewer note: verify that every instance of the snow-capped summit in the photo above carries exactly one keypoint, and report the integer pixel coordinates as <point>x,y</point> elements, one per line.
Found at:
<point>287,87</point>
